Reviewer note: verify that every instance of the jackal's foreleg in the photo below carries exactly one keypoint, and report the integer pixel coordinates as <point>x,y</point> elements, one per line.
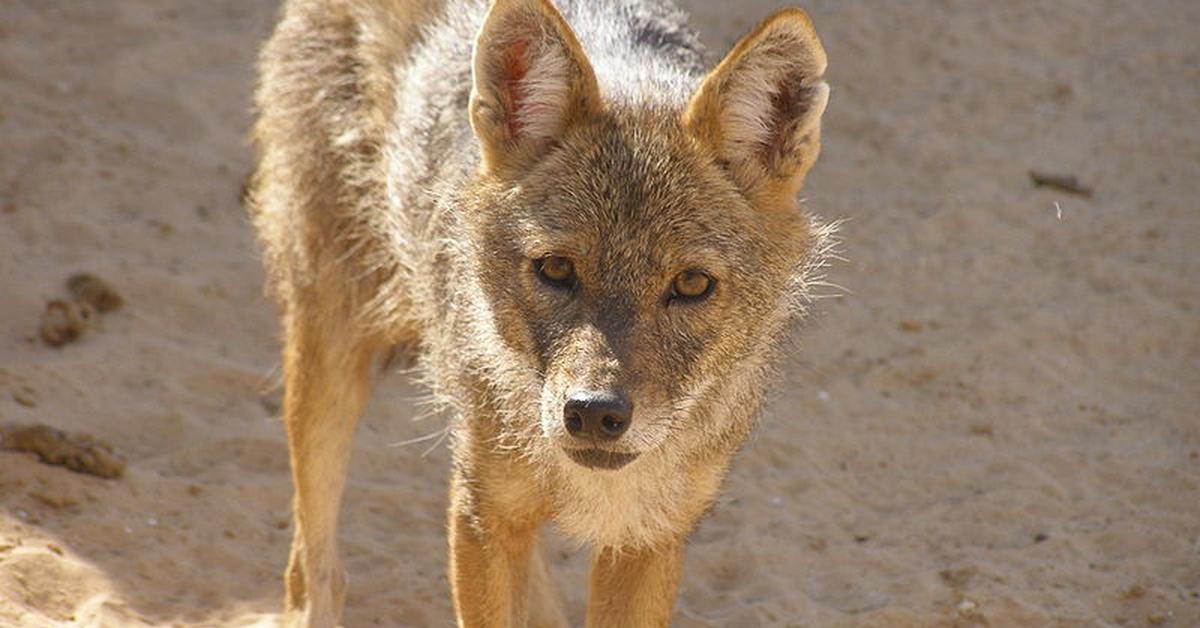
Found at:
<point>497,574</point>
<point>327,381</point>
<point>634,588</point>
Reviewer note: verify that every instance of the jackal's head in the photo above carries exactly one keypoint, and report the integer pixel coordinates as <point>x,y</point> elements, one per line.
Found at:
<point>641,256</point>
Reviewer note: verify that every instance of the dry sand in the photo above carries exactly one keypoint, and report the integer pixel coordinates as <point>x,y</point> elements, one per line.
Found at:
<point>999,426</point>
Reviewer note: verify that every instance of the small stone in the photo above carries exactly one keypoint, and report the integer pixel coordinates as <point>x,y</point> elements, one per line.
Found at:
<point>94,291</point>
<point>1063,91</point>
<point>79,452</point>
<point>1134,591</point>
<point>25,396</point>
<point>65,321</point>
<point>271,403</point>
<point>957,577</point>
<point>982,430</point>
<point>58,502</point>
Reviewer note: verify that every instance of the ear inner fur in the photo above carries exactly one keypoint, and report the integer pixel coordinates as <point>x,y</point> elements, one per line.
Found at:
<point>759,110</point>
<point>531,81</point>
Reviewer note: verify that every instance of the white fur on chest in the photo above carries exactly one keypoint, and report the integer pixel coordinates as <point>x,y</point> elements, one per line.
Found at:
<point>644,503</point>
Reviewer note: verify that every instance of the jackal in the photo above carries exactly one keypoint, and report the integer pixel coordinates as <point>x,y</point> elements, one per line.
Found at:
<point>591,247</point>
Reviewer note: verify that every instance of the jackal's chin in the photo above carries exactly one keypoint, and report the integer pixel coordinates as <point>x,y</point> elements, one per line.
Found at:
<point>575,453</point>
<point>599,459</point>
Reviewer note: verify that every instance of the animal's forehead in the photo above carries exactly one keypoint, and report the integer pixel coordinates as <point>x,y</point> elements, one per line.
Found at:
<point>632,185</point>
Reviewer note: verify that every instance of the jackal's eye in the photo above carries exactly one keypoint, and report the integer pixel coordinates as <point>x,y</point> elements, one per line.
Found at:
<point>556,270</point>
<point>691,284</point>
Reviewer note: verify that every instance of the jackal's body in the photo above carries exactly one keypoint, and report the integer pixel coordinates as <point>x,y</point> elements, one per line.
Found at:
<point>419,163</point>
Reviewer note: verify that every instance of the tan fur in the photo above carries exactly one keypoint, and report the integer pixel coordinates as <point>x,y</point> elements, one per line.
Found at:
<point>727,109</point>
<point>556,85</point>
<point>401,205</point>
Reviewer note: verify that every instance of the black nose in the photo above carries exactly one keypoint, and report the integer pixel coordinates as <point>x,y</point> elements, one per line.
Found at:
<point>602,416</point>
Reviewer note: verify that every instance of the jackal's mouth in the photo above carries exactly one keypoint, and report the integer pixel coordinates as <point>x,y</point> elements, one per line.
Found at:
<point>600,459</point>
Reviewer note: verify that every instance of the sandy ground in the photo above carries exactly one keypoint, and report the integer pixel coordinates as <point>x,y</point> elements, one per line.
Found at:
<point>997,426</point>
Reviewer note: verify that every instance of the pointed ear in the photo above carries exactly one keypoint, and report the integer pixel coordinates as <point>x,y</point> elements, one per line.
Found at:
<point>760,109</point>
<point>531,81</point>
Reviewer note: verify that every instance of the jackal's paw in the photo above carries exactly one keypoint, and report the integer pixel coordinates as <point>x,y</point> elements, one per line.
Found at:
<point>322,604</point>
<point>309,618</point>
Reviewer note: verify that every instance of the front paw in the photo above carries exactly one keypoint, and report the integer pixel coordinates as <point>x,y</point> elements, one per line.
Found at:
<point>322,604</point>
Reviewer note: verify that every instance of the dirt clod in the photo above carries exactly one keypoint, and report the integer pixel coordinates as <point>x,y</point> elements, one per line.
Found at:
<point>982,429</point>
<point>1134,591</point>
<point>958,577</point>
<point>1064,182</point>
<point>94,291</point>
<point>78,452</point>
<point>25,396</point>
<point>57,502</point>
<point>65,321</point>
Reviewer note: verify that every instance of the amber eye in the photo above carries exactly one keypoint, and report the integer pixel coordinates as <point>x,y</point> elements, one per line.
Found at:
<point>557,270</point>
<point>691,284</point>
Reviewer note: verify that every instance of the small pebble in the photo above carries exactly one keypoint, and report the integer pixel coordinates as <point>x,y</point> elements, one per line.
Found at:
<point>1134,591</point>
<point>65,321</point>
<point>25,396</point>
<point>94,291</point>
